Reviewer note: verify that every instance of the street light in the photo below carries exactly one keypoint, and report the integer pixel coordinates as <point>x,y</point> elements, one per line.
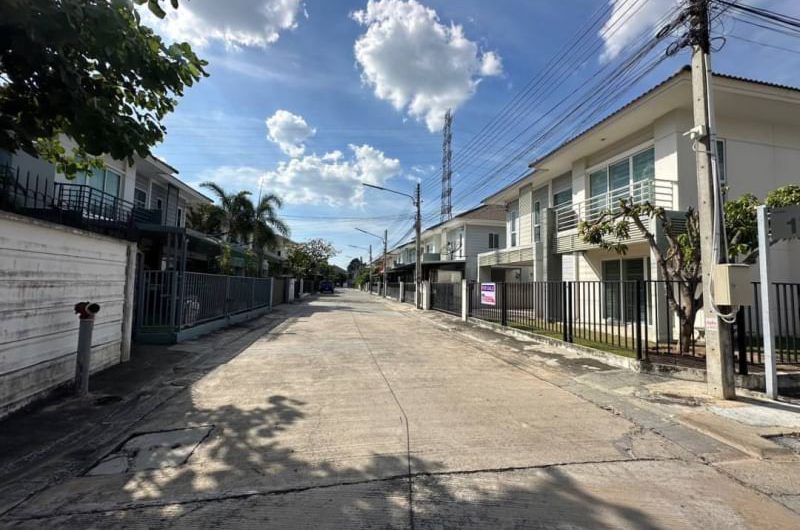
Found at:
<point>416,199</point>
<point>385,240</point>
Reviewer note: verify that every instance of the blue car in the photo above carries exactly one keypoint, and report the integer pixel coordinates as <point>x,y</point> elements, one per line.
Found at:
<point>326,286</point>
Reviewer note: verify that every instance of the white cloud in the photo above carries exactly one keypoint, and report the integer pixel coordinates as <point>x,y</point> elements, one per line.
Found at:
<point>627,21</point>
<point>417,63</point>
<point>330,179</point>
<point>234,22</point>
<point>289,131</point>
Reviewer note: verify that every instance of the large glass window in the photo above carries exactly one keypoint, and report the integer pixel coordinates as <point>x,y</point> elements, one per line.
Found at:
<point>643,165</point>
<point>622,174</point>
<point>721,161</point>
<point>537,222</point>
<point>513,218</point>
<point>619,289</point>
<point>104,180</point>
<point>140,198</point>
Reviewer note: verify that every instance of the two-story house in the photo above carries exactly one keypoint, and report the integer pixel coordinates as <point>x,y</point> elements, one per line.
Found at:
<point>449,249</point>
<point>641,153</point>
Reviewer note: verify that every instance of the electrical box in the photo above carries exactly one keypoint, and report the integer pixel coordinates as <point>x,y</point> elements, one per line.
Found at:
<point>732,285</point>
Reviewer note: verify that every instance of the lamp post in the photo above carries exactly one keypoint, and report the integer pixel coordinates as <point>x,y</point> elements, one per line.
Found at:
<point>385,239</point>
<point>417,201</point>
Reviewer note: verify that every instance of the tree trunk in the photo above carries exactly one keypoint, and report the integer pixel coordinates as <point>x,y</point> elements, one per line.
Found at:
<point>687,332</point>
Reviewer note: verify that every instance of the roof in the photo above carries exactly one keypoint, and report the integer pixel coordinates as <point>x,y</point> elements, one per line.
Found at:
<point>683,71</point>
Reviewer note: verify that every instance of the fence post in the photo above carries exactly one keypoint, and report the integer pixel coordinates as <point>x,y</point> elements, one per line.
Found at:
<point>173,297</point>
<point>227,295</point>
<point>402,292</point>
<point>503,304</point>
<point>271,291</point>
<point>426,295</point>
<point>564,330</point>
<point>639,320</point>
<point>741,341</point>
<point>464,300</point>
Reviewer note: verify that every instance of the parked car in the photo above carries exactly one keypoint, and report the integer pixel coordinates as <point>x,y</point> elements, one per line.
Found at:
<point>326,286</point>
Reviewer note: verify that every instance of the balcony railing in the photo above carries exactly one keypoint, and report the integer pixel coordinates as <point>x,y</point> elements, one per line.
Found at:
<point>568,216</point>
<point>71,204</point>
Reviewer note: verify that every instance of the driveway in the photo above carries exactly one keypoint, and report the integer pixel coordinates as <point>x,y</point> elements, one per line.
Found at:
<point>361,413</point>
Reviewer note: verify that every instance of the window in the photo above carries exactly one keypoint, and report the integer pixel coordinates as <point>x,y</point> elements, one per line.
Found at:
<point>513,226</point>
<point>461,244</point>
<point>159,204</point>
<point>562,198</point>
<point>721,165</point>
<point>624,174</point>
<point>494,240</point>
<point>537,222</point>
<point>139,198</point>
<point>180,217</point>
<point>619,291</point>
<point>104,180</point>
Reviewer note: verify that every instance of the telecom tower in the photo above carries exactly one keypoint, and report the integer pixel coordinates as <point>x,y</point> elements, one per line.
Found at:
<point>447,171</point>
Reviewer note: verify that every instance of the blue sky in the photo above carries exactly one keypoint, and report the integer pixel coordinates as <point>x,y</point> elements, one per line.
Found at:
<point>307,99</point>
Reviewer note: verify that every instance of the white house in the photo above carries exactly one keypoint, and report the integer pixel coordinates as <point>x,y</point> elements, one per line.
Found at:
<point>641,152</point>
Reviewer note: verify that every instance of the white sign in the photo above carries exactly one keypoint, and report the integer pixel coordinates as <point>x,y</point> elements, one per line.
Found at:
<point>488,294</point>
<point>784,223</point>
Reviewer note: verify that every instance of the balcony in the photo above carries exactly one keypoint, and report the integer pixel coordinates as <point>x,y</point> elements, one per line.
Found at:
<point>567,217</point>
<point>515,256</point>
<point>76,205</point>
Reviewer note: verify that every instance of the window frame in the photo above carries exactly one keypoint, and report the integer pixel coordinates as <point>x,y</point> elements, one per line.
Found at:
<point>606,165</point>
<point>537,221</point>
<point>143,204</point>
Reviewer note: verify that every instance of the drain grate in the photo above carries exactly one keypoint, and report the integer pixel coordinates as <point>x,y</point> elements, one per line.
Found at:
<point>791,440</point>
<point>152,450</point>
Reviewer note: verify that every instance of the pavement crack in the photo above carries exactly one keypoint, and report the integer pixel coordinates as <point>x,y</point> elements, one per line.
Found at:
<point>404,419</point>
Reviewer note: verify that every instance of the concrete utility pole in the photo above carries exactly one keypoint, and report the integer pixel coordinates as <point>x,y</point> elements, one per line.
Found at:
<point>385,250</point>
<point>719,350</point>
<point>418,261</point>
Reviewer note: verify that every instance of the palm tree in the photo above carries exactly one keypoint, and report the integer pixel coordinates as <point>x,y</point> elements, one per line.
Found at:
<point>244,222</point>
<point>234,208</point>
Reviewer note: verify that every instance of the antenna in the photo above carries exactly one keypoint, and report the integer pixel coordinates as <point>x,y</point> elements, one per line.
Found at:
<point>447,171</point>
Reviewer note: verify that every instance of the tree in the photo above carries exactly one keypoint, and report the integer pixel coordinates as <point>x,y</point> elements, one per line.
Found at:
<point>308,259</point>
<point>234,209</point>
<point>354,267</point>
<point>679,259</point>
<point>206,218</point>
<point>264,225</point>
<point>88,70</point>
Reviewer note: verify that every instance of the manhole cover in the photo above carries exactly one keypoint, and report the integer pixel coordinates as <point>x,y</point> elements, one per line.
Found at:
<point>152,450</point>
<point>791,440</point>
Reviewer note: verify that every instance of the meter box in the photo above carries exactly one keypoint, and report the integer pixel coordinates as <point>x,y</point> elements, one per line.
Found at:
<point>732,284</point>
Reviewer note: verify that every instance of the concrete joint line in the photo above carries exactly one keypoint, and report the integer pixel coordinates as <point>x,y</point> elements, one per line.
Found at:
<point>405,423</point>
<point>218,497</point>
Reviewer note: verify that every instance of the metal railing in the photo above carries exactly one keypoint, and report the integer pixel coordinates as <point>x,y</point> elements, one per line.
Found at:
<point>568,216</point>
<point>446,297</point>
<point>634,318</point>
<point>170,301</point>
<point>75,205</point>
<point>393,290</point>
<point>409,289</point>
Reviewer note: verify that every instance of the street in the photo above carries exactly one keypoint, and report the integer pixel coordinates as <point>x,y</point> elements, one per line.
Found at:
<point>356,412</point>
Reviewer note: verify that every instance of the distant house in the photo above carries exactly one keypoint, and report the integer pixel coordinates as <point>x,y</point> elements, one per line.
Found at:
<point>450,249</point>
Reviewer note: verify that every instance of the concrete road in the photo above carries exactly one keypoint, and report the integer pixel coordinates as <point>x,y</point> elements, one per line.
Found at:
<point>361,413</point>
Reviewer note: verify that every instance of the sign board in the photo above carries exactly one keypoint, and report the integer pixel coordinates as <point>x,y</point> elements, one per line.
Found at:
<point>488,294</point>
<point>784,223</point>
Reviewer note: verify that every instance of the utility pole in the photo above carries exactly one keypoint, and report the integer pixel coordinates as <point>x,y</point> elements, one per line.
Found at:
<point>418,261</point>
<point>385,250</point>
<point>719,349</point>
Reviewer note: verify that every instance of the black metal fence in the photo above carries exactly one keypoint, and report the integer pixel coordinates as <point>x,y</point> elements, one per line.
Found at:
<point>393,290</point>
<point>786,325</point>
<point>628,317</point>
<point>446,297</point>
<point>409,290</point>
<point>169,302</point>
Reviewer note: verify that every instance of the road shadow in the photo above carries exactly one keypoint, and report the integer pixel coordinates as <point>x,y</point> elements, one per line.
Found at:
<point>248,473</point>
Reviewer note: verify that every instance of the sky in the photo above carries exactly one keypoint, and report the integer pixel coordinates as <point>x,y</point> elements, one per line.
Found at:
<point>308,99</point>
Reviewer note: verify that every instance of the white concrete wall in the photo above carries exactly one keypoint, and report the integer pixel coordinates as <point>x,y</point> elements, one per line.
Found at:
<point>44,270</point>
